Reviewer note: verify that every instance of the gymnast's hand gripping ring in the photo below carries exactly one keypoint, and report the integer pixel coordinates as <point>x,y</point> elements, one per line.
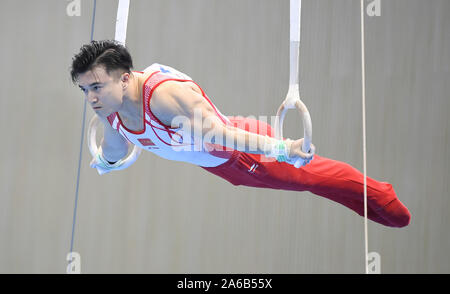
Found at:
<point>93,148</point>
<point>293,101</point>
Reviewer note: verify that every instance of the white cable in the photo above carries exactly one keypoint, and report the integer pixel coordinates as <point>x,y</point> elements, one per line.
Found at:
<point>294,48</point>
<point>363,81</point>
<point>122,21</point>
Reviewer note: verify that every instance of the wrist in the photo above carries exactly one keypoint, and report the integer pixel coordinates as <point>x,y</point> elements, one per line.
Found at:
<point>101,158</point>
<point>278,149</point>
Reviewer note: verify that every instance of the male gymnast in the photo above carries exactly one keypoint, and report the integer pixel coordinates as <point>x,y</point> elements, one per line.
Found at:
<point>165,112</point>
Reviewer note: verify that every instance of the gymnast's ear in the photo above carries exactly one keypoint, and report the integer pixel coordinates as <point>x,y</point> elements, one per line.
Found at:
<point>125,79</point>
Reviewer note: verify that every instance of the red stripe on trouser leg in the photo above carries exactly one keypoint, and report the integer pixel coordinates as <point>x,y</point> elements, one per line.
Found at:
<point>334,180</point>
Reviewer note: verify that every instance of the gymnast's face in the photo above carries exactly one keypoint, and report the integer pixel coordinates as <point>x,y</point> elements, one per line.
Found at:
<point>103,91</point>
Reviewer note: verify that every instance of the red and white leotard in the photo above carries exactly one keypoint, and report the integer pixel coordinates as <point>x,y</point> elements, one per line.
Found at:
<point>164,141</point>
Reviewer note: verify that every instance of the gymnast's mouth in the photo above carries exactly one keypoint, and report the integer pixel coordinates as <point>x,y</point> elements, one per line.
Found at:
<point>97,107</point>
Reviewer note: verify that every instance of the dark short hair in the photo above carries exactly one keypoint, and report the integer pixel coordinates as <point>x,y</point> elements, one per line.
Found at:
<point>107,53</point>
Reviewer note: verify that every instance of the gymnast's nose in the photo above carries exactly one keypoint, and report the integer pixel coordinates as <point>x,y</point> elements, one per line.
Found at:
<point>92,98</point>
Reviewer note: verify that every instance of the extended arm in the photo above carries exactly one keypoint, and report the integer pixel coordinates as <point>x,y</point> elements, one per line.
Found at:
<point>177,100</point>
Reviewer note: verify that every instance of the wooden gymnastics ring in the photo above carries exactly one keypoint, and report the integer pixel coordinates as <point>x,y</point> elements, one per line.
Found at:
<point>93,148</point>
<point>293,101</point>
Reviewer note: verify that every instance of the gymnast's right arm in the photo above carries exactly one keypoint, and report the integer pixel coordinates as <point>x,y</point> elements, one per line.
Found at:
<point>111,152</point>
<point>113,146</point>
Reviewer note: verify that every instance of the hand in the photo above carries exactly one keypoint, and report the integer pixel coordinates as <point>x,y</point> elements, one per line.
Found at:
<point>103,166</point>
<point>296,155</point>
<point>95,163</point>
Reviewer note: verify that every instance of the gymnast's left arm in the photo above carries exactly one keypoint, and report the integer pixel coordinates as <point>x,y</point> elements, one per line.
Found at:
<point>182,101</point>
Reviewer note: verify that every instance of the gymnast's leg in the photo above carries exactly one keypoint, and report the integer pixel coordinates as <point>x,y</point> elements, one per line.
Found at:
<point>335,180</point>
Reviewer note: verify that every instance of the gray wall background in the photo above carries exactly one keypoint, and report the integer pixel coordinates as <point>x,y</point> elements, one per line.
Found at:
<point>167,217</point>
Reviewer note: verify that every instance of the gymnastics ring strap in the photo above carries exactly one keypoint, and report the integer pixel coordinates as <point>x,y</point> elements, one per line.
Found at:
<point>293,101</point>
<point>93,148</point>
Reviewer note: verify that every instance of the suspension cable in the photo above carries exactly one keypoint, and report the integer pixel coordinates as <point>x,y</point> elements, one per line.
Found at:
<point>363,82</point>
<point>81,146</point>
